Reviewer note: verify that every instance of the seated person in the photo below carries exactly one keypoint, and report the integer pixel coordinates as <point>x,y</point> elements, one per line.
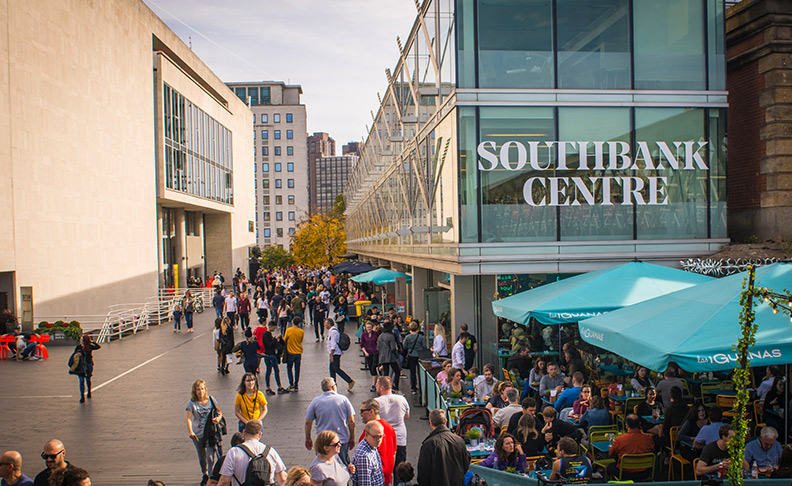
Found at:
<point>784,464</point>
<point>695,419</point>
<point>484,386</point>
<point>521,363</point>
<point>633,441</point>
<point>664,386</point>
<point>570,465</point>
<point>505,414</point>
<point>675,414</point>
<point>570,395</point>
<point>765,449</point>
<point>499,399</point>
<point>709,433</point>
<point>442,377</point>
<point>552,380</point>
<point>573,362</point>
<point>641,381</point>
<point>527,435</point>
<point>555,429</point>
<point>508,456</point>
<point>583,402</point>
<point>528,408</point>
<point>645,409</point>
<point>716,452</point>
<point>767,382</point>
<point>455,386</point>
<point>22,347</point>
<point>597,414</point>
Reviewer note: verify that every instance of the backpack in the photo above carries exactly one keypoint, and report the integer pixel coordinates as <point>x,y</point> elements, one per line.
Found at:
<point>74,362</point>
<point>343,341</point>
<point>258,470</point>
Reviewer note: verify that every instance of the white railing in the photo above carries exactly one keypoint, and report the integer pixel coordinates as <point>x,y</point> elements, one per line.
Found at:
<point>130,318</point>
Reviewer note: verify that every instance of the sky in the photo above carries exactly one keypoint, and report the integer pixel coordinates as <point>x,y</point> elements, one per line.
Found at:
<point>337,50</point>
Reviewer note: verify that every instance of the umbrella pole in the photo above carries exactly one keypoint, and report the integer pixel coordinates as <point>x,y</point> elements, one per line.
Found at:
<point>786,405</point>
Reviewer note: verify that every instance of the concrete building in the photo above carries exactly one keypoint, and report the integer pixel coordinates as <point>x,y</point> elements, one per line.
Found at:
<point>281,168</point>
<point>759,57</point>
<point>533,140</point>
<point>127,161</point>
<point>320,144</point>
<point>332,174</point>
<point>351,148</point>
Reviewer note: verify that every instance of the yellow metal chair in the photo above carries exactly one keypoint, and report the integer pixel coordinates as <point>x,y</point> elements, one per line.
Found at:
<point>637,461</point>
<point>599,433</point>
<point>686,392</point>
<point>695,463</point>
<point>531,461</point>
<point>726,402</point>
<point>673,437</point>
<point>705,397</point>
<point>758,410</point>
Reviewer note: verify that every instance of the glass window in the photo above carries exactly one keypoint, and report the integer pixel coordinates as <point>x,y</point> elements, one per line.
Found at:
<point>685,215</point>
<point>253,94</point>
<point>254,134</point>
<point>291,231</point>
<point>290,150</point>
<point>266,200</point>
<point>291,200</point>
<point>291,215</point>
<point>277,150</point>
<point>266,215</point>
<point>669,44</point>
<point>277,134</point>
<point>254,118</point>
<point>278,166</point>
<point>580,219</point>
<point>593,40</point>
<point>505,214</point>
<point>265,95</point>
<point>265,183</point>
<point>515,44</point>
<point>265,167</point>
<point>265,150</point>
<point>278,183</point>
<point>279,232</point>
<point>290,167</point>
<point>264,135</point>
<point>276,117</point>
<point>290,183</point>
<point>717,167</point>
<point>278,199</point>
<point>264,118</point>
<point>267,232</point>
<point>289,118</point>
<point>278,216</point>
<point>289,134</point>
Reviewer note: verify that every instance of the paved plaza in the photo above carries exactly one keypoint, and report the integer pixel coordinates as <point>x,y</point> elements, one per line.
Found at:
<point>134,428</point>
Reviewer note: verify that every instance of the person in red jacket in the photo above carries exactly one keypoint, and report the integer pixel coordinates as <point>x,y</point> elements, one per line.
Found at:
<point>243,310</point>
<point>370,410</point>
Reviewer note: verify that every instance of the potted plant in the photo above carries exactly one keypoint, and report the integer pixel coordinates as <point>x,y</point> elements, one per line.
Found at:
<point>473,435</point>
<point>60,331</point>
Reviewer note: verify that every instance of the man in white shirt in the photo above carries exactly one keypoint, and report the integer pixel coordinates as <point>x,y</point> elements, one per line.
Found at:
<point>230,308</point>
<point>394,409</point>
<point>236,462</point>
<point>458,353</point>
<point>503,415</point>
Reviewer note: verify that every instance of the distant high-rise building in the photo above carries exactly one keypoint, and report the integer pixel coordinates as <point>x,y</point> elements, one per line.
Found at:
<point>320,144</point>
<point>352,148</point>
<point>279,136</point>
<point>332,173</point>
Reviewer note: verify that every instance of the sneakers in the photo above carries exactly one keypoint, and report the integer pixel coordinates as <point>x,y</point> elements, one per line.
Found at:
<point>270,392</point>
<point>351,385</point>
<point>373,389</point>
<point>292,388</point>
<point>204,480</point>
<point>414,391</point>
<point>317,340</point>
<point>282,391</point>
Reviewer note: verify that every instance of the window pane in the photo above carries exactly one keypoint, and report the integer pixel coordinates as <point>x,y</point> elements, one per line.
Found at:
<point>290,183</point>
<point>593,44</point>
<point>717,166</point>
<point>277,150</point>
<point>290,166</point>
<point>515,44</point>
<point>468,174</point>
<point>289,118</point>
<point>276,118</point>
<point>669,44</point>
<point>265,167</point>
<point>277,134</point>
<point>264,134</point>
<point>277,166</point>
<point>290,150</point>
<point>265,151</point>
<point>278,183</point>
<point>289,134</point>
<point>264,118</point>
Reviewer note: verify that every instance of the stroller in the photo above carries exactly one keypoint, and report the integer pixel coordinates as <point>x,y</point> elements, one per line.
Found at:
<point>476,417</point>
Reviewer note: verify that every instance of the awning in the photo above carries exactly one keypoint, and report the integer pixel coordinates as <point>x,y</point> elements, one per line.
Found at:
<point>594,293</point>
<point>697,327</point>
<point>380,276</point>
<point>353,267</point>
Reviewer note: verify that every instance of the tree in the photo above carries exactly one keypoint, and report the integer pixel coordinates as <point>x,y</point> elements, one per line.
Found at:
<point>319,241</point>
<point>274,257</point>
<point>339,206</point>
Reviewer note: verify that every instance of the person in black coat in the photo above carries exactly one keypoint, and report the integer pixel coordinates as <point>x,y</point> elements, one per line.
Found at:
<point>444,459</point>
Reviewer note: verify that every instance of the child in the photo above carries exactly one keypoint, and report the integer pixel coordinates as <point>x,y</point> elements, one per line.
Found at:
<point>404,473</point>
<point>177,314</point>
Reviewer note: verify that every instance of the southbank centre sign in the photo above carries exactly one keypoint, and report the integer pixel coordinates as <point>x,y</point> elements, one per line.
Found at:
<point>603,190</point>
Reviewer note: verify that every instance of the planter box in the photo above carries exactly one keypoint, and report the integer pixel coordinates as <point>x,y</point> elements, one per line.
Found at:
<point>59,339</point>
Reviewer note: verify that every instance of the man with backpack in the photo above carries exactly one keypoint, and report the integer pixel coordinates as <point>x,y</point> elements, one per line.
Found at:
<point>252,463</point>
<point>337,343</point>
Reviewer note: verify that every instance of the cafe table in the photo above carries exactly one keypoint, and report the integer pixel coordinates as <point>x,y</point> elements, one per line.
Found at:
<point>619,398</point>
<point>727,392</point>
<point>535,474</point>
<point>602,446</point>
<point>616,370</point>
<point>651,420</point>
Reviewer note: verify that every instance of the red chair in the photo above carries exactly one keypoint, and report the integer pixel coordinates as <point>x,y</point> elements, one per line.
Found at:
<point>5,351</point>
<point>41,350</point>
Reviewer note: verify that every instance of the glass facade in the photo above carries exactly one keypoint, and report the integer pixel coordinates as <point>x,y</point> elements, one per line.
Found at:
<point>198,156</point>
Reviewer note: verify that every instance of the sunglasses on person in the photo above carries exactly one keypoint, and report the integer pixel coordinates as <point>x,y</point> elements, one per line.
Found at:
<point>335,444</point>
<point>51,456</point>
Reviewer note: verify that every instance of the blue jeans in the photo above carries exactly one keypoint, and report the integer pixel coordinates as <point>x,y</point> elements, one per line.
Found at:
<point>335,367</point>
<point>282,323</point>
<point>293,360</point>
<point>218,312</point>
<point>271,362</point>
<point>30,349</point>
<point>302,318</point>
<point>245,320</point>
<point>86,378</point>
<point>188,319</point>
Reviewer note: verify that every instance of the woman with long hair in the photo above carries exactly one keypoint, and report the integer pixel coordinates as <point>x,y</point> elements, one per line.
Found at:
<point>508,455</point>
<point>298,476</point>
<point>455,384</point>
<point>532,442</point>
<point>645,409</point>
<point>784,464</point>
<point>188,308</point>
<point>582,403</point>
<point>641,381</point>
<point>226,343</point>
<point>538,371</point>
<point>199,413</point>
<point>695,419</point>
<point>83,353</point>
<point>439,346</point>
<point>283,315</point>
<point>217,345</point>
<point>368,344</point>
<point>250,403</point>
<point>327,469</point>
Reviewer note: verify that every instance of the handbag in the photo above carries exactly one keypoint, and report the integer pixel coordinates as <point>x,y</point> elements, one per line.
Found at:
<point>220,426</point>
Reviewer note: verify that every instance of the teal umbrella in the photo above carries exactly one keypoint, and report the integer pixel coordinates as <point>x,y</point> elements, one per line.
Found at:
<point>380,276</point>
<point>594,293</point>
<point>697,327</point>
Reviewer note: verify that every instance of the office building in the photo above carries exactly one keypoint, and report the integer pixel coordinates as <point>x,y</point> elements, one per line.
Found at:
<point>352,148</point>
<point>532,140</point>
<point>281,168</point>
<point>332,173</point>
<point>127,162</point>
<point>320,144</point>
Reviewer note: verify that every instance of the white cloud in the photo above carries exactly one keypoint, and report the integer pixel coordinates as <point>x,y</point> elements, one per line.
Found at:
<point>337,50</point>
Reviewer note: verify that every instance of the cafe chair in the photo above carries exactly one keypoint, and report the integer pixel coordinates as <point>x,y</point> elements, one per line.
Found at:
<point>531,461</point>
<point>675,456</point>
<point>758,410</point>
<point>726,402</point>
<point>598,433</point>
<point>686,393</point>
<point>637,461</point>
<point>707,398</point>
<point>695,463</point>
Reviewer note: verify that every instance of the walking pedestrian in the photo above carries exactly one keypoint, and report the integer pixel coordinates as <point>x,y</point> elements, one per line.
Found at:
<point>370,410</point>
<point>368,344</point>
<point>217,345</point>
<point>331,411</point>
<point>188,307</point>
<point>298,306</point>
<point>243,310</point>
<point>335,352</point>
<point>250,403</point>
<point>367,462</point>
<point>414,344</point>
<point>471,346</point>
<point>262,308</point>
<point>327,468</point>
<point>271,344</point>
<point>439,347</point>
<point>230,308</point>
<point>236,462</point>
<point>394,409</point>
<point>199,413</point>
<point>75,477</point>
<point>177,315</point>
<point>294,349</point>
<point>443,459</point>
<point>82,357</point>
<point>319,313</point>
<point>218,301</point>
<point>387,352</point>
<point>226,343</point>
<point>283,315</point>
<point>250,352</point>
